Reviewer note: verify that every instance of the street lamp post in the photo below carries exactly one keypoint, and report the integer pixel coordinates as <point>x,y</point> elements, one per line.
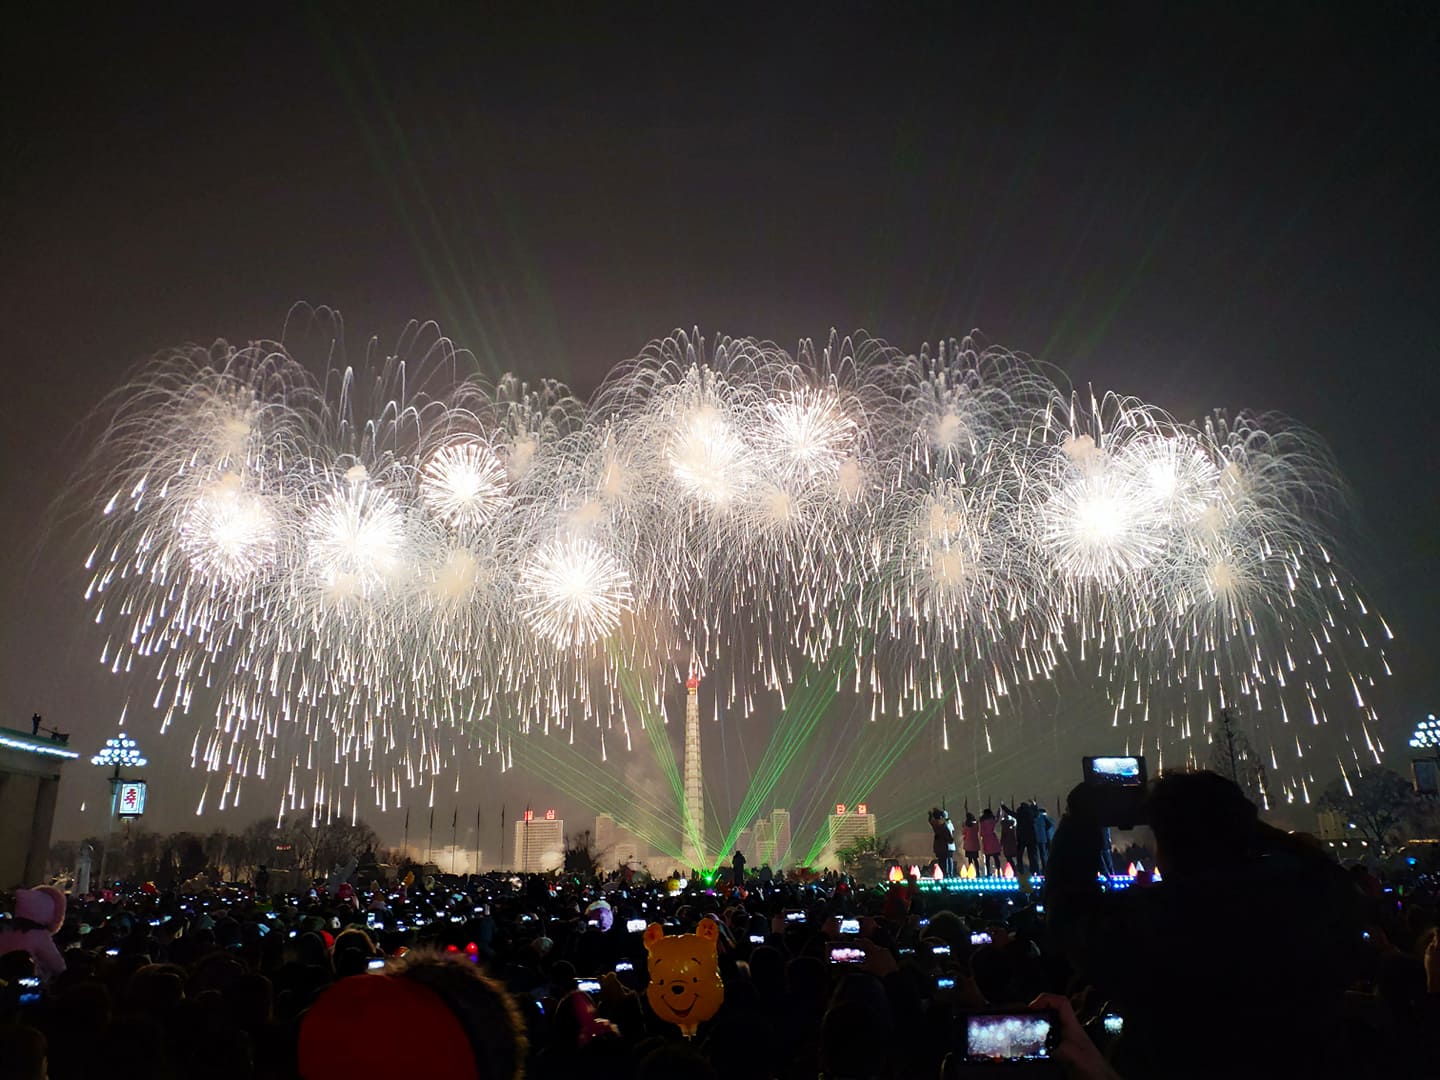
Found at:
<point>119,752</point>
<point>1427,768</point>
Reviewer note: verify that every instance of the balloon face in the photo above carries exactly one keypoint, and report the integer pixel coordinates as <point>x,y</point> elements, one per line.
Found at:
<point>685,987</point>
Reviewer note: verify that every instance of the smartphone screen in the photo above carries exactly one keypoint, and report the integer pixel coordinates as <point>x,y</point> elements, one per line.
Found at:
<point>588,985</point>
<point>939,950</point>
<point>376,963</point>
<point>1116,770</point>
<point>1114,1023</point>
<point>944,982</point>
<point>794,916</point>
<point>846,954</point>
<point>634,926</point>
<point>1004,1037</point>
<point>850,926</point>
<point>980,937</point>
<point>757,939</point>
<point>1119,784</point>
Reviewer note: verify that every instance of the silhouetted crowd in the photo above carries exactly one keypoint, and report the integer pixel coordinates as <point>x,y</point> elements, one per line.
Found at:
<point>1255,955</point>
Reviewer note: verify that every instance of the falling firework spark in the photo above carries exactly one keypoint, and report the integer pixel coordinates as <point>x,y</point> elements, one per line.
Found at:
<point>371,574</point>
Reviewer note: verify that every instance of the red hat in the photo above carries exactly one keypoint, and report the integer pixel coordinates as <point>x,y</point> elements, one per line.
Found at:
<point>337,1036</point>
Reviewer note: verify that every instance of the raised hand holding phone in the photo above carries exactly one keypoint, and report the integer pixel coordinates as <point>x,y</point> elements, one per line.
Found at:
<point>1074,1049</point>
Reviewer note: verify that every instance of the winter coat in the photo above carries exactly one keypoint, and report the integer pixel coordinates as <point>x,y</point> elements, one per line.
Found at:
<point>40,913</point>
<point>1008,843</point>
<point>943,842</point>
<point>971,836</point>
<point>1044,827</point>
<point>989,842</point>
<point>1025,825</point>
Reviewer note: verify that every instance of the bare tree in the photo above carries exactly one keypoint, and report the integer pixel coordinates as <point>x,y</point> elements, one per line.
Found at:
<point>1235,758</point>
<point>1378,805</point>
<point>865,856</point>
<point>581,856</point>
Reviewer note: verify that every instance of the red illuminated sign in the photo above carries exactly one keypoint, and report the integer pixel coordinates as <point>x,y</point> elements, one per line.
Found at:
<point>862,809</point>
<point>549,815</point>
<point>839,808</point>
<point>529,815</point>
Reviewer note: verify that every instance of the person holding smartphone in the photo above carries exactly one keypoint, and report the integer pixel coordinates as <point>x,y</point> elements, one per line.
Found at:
<point>1242,955</point>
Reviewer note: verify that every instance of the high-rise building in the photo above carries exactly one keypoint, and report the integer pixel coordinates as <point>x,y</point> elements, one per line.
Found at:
<point>693,842</point>
<point>605,837</point>
<point>780,824</point>
<point>539,843</point>
<point>617,846</point>
<point>845,826</point>
<point>764,834</point>
<point>771,837</point>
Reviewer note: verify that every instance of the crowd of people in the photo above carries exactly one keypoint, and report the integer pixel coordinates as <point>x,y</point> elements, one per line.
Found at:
<point>1257,955</point>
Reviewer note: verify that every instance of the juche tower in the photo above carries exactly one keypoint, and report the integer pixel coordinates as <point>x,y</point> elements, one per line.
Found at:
<point>693,842</point>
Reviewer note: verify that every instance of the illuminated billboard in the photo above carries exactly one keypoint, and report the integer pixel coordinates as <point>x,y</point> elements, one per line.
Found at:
<point>130,798</point>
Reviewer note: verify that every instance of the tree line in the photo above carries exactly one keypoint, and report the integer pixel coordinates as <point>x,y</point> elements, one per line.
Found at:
<point>170,859</point>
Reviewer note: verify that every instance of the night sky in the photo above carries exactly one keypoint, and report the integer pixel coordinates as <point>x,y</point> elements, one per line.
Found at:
<point>1205,211</point>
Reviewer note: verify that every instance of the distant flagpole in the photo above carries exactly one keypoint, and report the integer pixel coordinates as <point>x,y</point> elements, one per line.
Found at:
<point>454,823</point>
<point>501,863</point>
<point>406,842</point>
<point>430,838</point>
<point>477,838</point>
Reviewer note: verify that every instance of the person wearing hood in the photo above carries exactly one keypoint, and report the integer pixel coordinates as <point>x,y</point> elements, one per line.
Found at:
<point>39,913</point>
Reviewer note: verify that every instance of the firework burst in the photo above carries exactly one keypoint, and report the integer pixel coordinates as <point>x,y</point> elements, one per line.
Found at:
<point>373,573</point>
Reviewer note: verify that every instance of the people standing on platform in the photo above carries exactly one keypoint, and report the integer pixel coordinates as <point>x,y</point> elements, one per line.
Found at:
<point>970,837</point>
<point>990,842</point>
<point>1009,845</point>
<point>944,841</point>
<point>737,870</point>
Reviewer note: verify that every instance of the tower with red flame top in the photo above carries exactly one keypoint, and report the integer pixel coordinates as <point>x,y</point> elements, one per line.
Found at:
<point>693,842</point>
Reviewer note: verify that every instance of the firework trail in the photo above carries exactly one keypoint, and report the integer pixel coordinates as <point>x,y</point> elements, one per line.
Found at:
<point>373,572</point>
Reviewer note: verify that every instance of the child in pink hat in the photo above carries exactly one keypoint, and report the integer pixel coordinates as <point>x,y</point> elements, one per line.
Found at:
<point>39,912</point>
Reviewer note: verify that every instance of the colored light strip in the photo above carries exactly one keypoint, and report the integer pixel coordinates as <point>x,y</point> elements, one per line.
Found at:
<point>998,884</point>
<point>32,748</point>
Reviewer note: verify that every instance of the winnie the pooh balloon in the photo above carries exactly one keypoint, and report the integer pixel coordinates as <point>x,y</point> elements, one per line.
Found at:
<point>685,987</point>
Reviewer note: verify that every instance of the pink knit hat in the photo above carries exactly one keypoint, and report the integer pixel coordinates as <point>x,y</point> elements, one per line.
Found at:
<point>43,904</point>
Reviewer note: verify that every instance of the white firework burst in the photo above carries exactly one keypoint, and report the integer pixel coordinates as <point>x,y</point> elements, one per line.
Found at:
<point>465,484</point>
<point>355,540</point>
<point>573,592</point>
<point>370,570</point>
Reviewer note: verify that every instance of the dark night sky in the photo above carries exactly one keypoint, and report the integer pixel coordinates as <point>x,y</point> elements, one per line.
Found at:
<point>1234,211</point>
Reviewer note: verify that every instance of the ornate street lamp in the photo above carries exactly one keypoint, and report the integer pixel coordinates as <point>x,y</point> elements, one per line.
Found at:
<point>119,752</point>
<point>1426,765</point>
